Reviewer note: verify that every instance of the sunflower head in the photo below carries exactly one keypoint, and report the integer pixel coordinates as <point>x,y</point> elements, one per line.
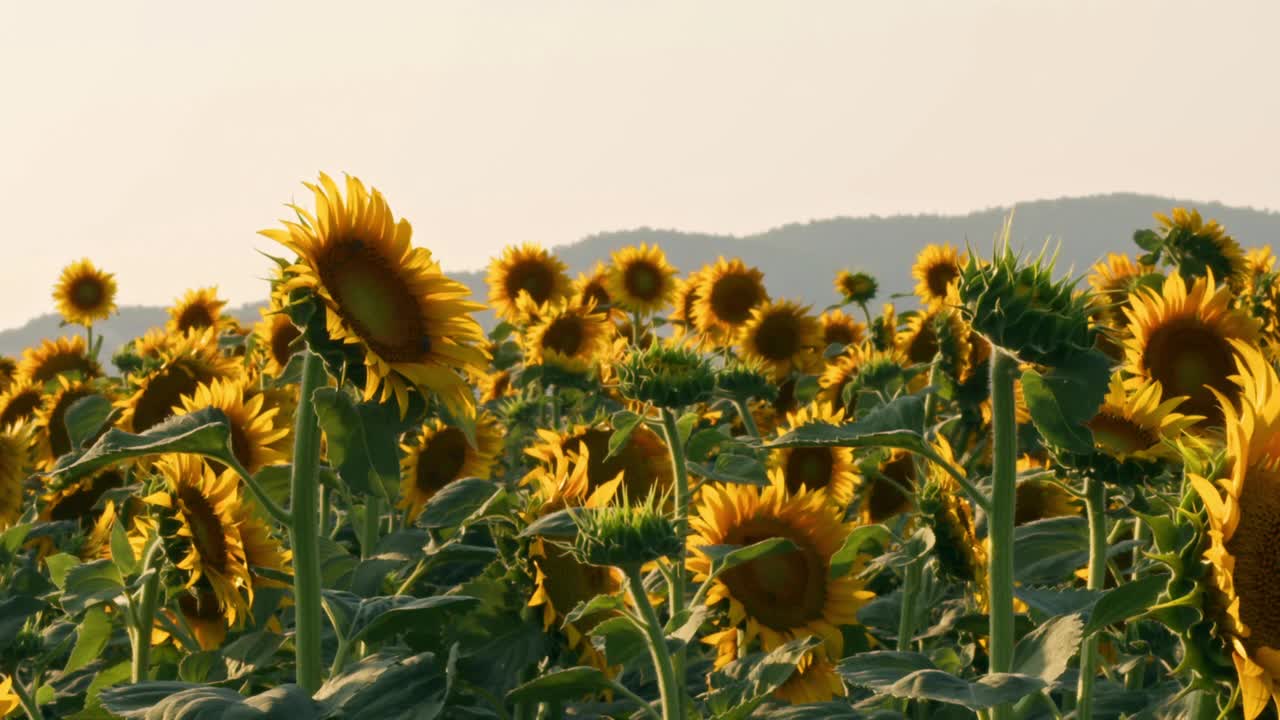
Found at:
<point>593,288</point>
<point>404,324</point>
<point>259,435</point>
<point>198,309</point>
<point>641,280</point>
<point>526,270</point>
<point>939,332</point>
<point>727,293</point>
<point>685,303</point>
<point>21,403</point>
<point>841,329</point>
<point>1199,248</point>
<point>1137,422</point>
<point>936,271</point>
<point>742,379</point>
<point>84,294</point>
<point>183,365</point>
<point>889,485</point>
<point>641,465</point>
<point>277,339</point>
<point>783,336</point>
<point>666,377</point>
<point>569,336</point>
<point>945,508</point>
<point>856,287</point>
<point>53,439</point>
<point>65,355</point>
<point>884,329</point>
<point>438,454</point>
<point>825,470</point>
<point>15,444</point>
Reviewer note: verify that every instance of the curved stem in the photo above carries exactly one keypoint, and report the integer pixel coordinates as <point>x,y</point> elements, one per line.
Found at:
<point>145,617</point>
<point>1000,520</point>
<point>25,698</point>
<point>662,664</point>
<point>1095,503</point>
<point>744,412</point>
<point>304,531</point>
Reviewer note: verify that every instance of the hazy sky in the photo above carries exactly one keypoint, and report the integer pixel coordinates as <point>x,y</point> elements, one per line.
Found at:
<point>156,138</point>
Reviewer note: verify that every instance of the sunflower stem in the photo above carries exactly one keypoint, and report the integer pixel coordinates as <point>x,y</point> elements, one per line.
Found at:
<point>675,448</point>
<point>1000,523</point>
<point>662,660</point>
<point>145,617</point>
<point>26,699</point>
<point>369,526</point>
<point>910,588</point>
<point>1095,504</point>
<point>303,530</point>
<point>748,421</point>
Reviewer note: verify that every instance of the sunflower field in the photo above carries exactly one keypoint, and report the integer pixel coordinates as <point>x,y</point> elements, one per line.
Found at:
<point>648,494</point>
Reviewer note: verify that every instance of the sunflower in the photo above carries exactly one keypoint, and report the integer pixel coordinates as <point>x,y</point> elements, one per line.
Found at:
<point>9,700</point>
<point>727,293</point>
<point>21,402</point>
<point>782,336</point>
<point>1182,338</point>
<point>15,442</point>
<point>593,287</point>
<point>202,507</point>
<point>259,435</point>
<point>840,329</point>
<point>383,296</point>
<point>825,470</point>
<point>856,287</point>
<point>936,270</point>
<point>884,329</point>
<point>887,487</point>
<point>439,454</point>
<point>781,597</point>
<point>8,372</point>
<point>940,329</point>
<point>56,357</point>
<point>85,294</point>
<point>685,303</point>
<point>197,310</point>
<point>643,461</point>
<point>1114,279</point>
<point>961,553</point>
<point>526,271</point>
<point>640,280</point>
<point>1134,424</point>
<point>76,501</point>
<point>262,549</point>
<point>495,385</point>
<point>572,337</point>
<point>184,364</point>
<point>814,679</point>
<point>52,438</point>
<point>1040,498</point>
<point>1202,248</point>
<point>1244,519</point>
<point>277,338</point>
<point>97,542</point>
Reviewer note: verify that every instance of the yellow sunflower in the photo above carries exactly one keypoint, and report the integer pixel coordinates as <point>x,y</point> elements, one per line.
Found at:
<point>15,442</point>
<point>97,542</point>
<point>85,294</point>
<point>1134,424</point>
<point>940,329</point>
<point>1202,248</point>
<point>184,363</point>
<point>1114,279</point>
<point>1182,337</point>
<point>814,680</point>
<point>75,502</point>
<point>572,337</point>
<point>526,270</point>
<point>885,328</point>
<point>382,295</point>
<point>858,363</point>
<point>197,310</point>
<point>727,293</point>
<point>21,402</point>
<point>9,700</point>
<point>56,357</point>
<point>495,385</point>
<point>593,287</point>
<point>52,438</point>
<point>1244,518</point>
<point>840,329</point>
<point>961,553</point>
<point>782,336</point>
<point>887,488</point>
<point>258,433</point>
<point>685,303</point>
<point>781,597</point>
<point>640,280</point>
<point>204,507</point>
<point>438,455</point>
<point>643,461</point>
<point>262,549</point>
<point>937,270</point>
<point>826,471</point>
<point>204,615</point>
<point>276,337</point>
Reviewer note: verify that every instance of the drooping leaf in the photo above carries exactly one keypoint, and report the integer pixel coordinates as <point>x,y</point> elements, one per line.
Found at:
<point>456,502</point>
<point>380,618</point>
<point>561,685</point>
<point>597,604</point>
<point>90,584</point>
<point>727,557</point>
<point>387,686</point>
<point>912,675</point>
<point>895,424</point>
<point>86,417</point>
<point>92,635</point>
<point>121,551</point>
<point>733,468</point>
<point>361,441</point>
<point>624,423</point>
<point>847,555</point>
<point>1128,600</point>
<point>1050,550</point>
<point>188,701</point>
<point>559,524</point>
<point>1045,652</point>
<point>203,432</point>
<point>1052,602</point>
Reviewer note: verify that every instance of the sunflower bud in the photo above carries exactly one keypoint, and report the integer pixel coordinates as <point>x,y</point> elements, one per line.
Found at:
<point>856,287</point>
<point>1019,307</point>
<point>625,535</point>
<point>666,377</point>
<point>744,379</point>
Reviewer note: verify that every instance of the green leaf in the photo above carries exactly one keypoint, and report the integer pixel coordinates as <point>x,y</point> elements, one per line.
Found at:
<point>1057,602</point>
<point>13,538</point>
<point>59,565</point>
<point>703,443</point>
<point>597,604</point>
<point>847,556</point>
<point>895,424</point>
<point>1045,652</point>
<point>121,551</point>
<point>1062,400</point>
<point>381,618</point>
<point>90,584</point>
<point>1126,601</point>
<point>559,524</point>
<point>1050,550</point>
<point>361,441</point>
<point>912,675</point>
<point>251,652</point>
<point>203,432</point>
<point>388,687</point>
<point>1147,239</point>
<point>733,468</point>
<point>555,687</point>
<point>91,637</point>
<point>111,676</point>
<point>622,640</point>
<point>14,612</point>
<point>882,668</point>
<point>727,557</point>
<point>85,419</point>
<point>169,700</point>
<point>685,426</point>
<point>741,686</point>
<point>624,423</point>
<point>456,502</point>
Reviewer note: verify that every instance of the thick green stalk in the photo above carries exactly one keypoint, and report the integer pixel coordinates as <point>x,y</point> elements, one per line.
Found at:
<point>676,450</point>
<point>910,588</point>
<point>748,421</point>
<point>25,698</point>
<point>1095,505</point>
<point>144,615</point>
<point>1000,523</point>
<point>668,688</point>
<point>304,531</point>
<point>369,526</point>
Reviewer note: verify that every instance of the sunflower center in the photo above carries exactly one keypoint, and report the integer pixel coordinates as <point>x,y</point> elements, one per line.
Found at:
<point>565,335</point>
<point>596,292</point>
<point>939,276</point>
<point>778,337</point>
<point>886,499</point>
<point>87,293</point>
<point>839,334</point>
<point>1188,358</point>
<point>781,591</point>
<point>1120,436</point>
<point>810,467</point>
<point>374,300</point>
<point>639,469</point>
<point>20,407</point>
<point>206,528</point>
<point>55,365</point>
<point>643,280</point>
<point>924,344</point>
<point>733,297</point>
<point>79,503</point>
<point>59,440</point>
<point>163,391</point>
<point>282,342</point>
<point>441,460</point>
<point>195,316</point>
<point>1257,563</point>
<point>569,582</point>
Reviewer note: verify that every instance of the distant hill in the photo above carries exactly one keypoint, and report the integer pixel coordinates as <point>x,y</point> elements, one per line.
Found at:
<point>800,260</point>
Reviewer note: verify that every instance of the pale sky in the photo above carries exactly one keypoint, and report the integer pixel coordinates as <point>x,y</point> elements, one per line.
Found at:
<point>156,138</point>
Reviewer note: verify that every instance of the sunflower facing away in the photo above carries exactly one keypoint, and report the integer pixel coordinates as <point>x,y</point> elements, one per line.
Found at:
<point>55,357</point>
<point>936,270</point>
<point>640,280</point>
<point>198,309</point>
<point>778,598</point>
<point>259,435</point>
<point>439,454</point>
<point>782,336</point>
<point>1134,424</point>
<point>1244,520</point>
<point>1182,337</point>
<point>526,270</point>
<point>727,293</point>
<point>84,294</point>
<point>855,287</point>
<point>387,298</point>
<point>593,287</point>
<point>1202,248</point>
<point>824,470</point>
<point>572,337</point>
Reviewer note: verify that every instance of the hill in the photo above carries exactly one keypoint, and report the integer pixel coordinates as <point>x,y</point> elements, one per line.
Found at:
<point>799,260</point>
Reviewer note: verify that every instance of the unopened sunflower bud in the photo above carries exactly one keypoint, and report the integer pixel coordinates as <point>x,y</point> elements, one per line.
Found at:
<point>666,377</point>
<point>625,536</point>
<point>742,380</point>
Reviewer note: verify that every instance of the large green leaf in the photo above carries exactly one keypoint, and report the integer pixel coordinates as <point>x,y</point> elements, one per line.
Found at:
<point>1062,400</point>
<point>735,468</point>
<point>381,618</point>
<point>570,684</point>
<point>90,584</point>
<point>1128,600</point>
<point>203,432</point>
<point>86,418</point>
<point>620,640</point>
<point>727,557</point>
<point>188,701</point>
<point>912,675</point>
<point>847,556</point>
<point>1050,550</point>
<point>895,424</point>
<point>624,423</point>
<point>388,687</point>
<point>456,502</point>
<point>1046,651</point>
<point>92,635</point>
<point>362,441</point>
